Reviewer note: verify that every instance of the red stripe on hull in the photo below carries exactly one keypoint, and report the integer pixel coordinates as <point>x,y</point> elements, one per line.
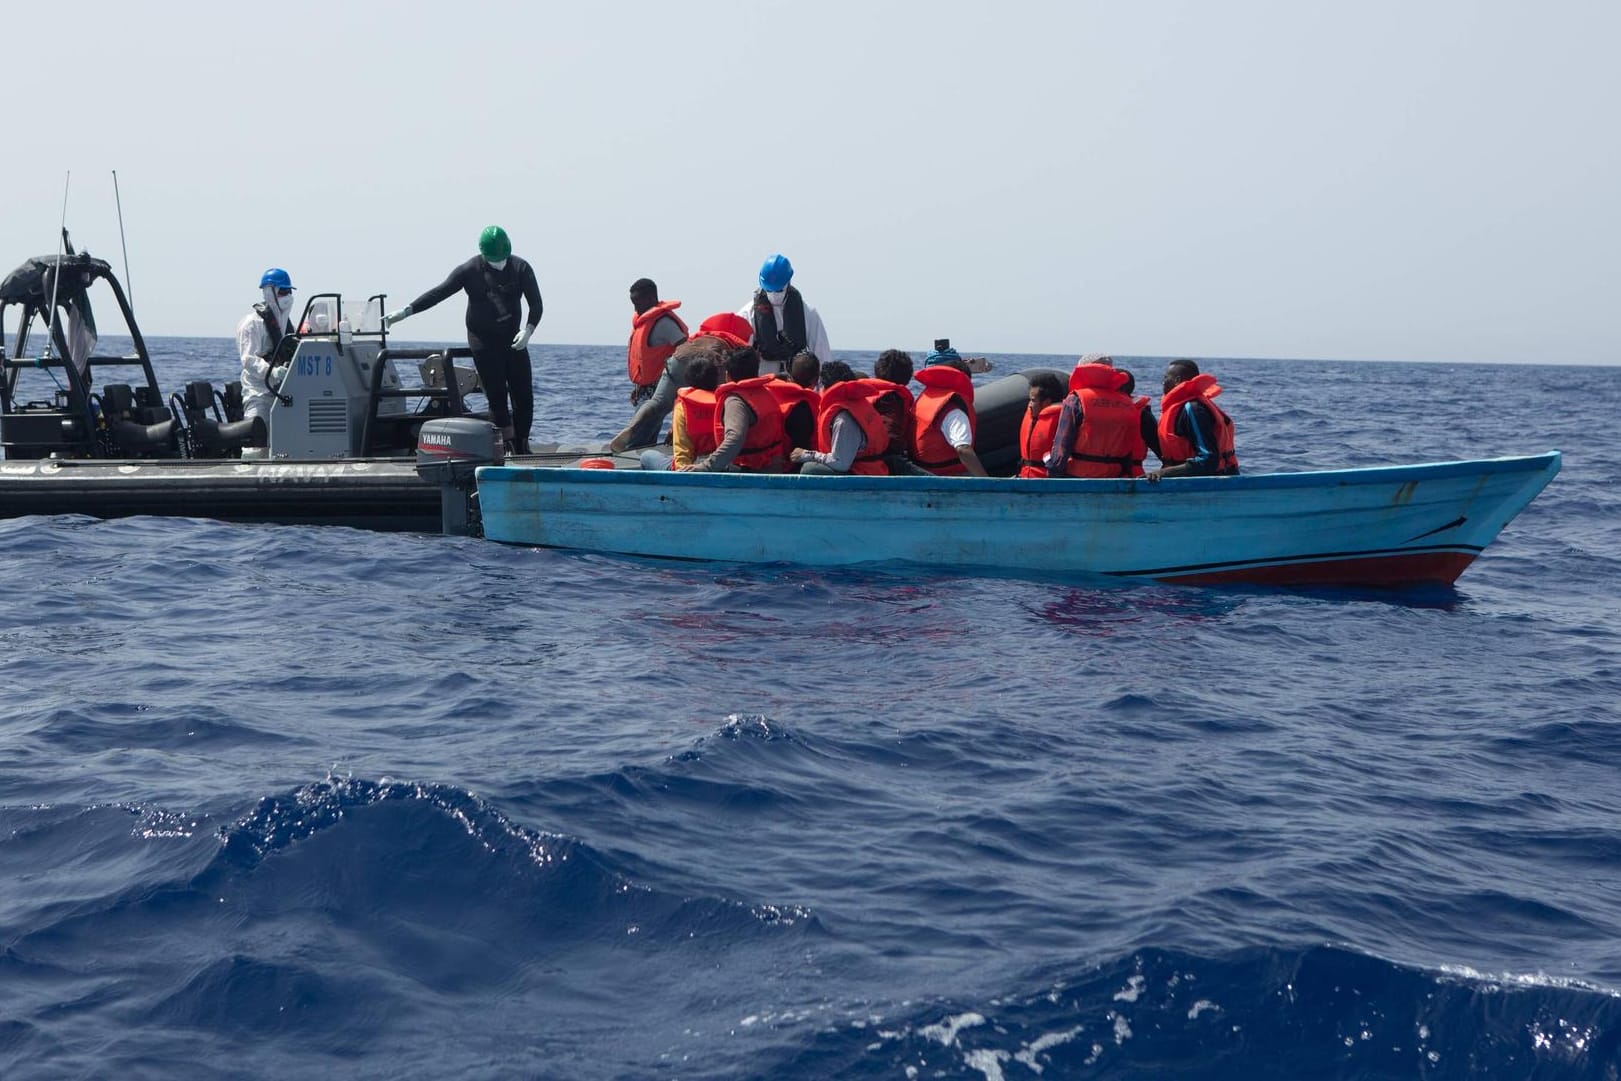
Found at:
<point>1409,569</point>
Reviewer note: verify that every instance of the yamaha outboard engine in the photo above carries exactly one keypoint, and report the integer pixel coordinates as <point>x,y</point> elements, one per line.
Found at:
<point>448,451</point>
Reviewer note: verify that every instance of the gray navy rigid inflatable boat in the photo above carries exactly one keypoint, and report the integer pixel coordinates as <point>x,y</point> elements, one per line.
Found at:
<point>88,433</point>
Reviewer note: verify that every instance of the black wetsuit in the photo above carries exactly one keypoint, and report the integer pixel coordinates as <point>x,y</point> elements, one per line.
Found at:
<point>494,318</point>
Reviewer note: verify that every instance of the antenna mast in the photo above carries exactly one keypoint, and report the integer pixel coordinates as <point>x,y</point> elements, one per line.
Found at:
<point>129,287</point>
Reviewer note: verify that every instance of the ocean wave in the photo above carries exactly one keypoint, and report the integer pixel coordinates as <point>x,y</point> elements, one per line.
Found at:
<point>1319,1012</point>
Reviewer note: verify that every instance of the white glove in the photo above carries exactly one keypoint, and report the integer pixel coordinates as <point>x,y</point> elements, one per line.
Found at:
<point>522,340</point>
<point>394,317</point>
<point>278,375</point>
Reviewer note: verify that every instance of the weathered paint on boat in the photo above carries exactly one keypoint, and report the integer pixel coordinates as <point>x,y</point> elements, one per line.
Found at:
<point>1385,526</point>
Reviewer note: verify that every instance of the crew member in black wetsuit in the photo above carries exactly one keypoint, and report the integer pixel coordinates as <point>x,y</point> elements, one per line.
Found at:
<point>496,282</point>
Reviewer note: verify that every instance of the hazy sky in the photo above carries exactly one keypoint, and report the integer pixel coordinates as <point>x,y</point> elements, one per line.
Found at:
<point>1391,180</point>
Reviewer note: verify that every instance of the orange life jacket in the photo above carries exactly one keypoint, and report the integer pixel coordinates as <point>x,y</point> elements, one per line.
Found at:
<point>856,397</point>
<point>791,396</point>
<point>944,388</point>
<point>1036,440</point>
<point>699,413</point>
<point>1109,440</point>
<point>765,447</point>
<point>1174,449</point>
<point>646,362</point>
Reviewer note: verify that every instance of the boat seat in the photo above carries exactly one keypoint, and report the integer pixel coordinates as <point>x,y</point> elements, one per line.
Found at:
<point>138,425</point>
<point>211,435</point>
<point>433,375</point>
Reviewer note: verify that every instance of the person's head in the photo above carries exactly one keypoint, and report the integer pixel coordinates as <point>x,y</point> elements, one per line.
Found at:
<point>894,366</point>
<point>892,407</point>
<point>494,246</point>
<point>804,368</point>
<point>775,273</point>
<point>1045,390</point>
<point>835,372</point>
<point>1178,372</point>
<point>703,373</point>
<point>742,364</point>
<point>942,353</point>
<point>1128,385</point>
<point>950,362</point>
<point>277,287</point>
<point>644,294</point>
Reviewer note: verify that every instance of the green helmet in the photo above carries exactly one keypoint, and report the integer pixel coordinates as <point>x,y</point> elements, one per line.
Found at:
<point>493,243</point>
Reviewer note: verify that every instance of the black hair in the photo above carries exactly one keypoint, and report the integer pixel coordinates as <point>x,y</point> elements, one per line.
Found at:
<point>1186,367</point>
<point>889,403</point>
<point>806,364</point>
<point>644,285</point>
<point>703,373</point>
<point>894,366</point>
<point>743,363</point>
<point>835,372</point>
<point>1048,384</point>
<point>954,362</point>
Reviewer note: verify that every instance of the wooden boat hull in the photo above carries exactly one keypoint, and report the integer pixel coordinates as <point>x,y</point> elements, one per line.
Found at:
<point>1386,526</point>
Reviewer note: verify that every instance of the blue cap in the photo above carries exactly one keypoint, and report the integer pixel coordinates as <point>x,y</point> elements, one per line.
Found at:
<point>775,273</point>
<point>277,277</point>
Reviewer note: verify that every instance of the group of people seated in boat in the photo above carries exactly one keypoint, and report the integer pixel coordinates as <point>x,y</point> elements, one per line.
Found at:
<point>764,395</point>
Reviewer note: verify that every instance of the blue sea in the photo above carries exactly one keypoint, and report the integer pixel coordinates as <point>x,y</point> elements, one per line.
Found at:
<point>297,802</point>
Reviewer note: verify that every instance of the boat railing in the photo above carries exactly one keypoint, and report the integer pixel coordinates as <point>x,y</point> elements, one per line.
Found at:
<point>438,400</point>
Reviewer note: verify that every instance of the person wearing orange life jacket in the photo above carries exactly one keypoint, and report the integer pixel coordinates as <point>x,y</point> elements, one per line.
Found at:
<point>1102,431</point>
<point>942,439</point>
<point>655,331</point>
<point>748,424</point>
<point>692,421</point>
<point>1039,424</point>
<point>715,337</point>
<point>1195,435</point>
<point>796,391</point>
<point>851,437</point>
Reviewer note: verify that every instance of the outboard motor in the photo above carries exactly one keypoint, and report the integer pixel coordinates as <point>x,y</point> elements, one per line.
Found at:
<point>448,451</point>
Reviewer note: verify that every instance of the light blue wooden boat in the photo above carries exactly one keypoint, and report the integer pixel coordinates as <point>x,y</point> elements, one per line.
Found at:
<point>1386,526</point>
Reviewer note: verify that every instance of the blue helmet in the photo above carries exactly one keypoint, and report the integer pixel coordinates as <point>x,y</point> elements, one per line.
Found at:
<point>277,277</point>
<point>775,273</point>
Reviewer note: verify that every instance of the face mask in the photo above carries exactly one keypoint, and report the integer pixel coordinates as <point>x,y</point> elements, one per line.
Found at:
<point>778,297</point>
<point>497,264</point>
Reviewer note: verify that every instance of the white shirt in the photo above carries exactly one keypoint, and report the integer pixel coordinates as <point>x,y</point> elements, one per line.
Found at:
<point>956,430</point>
<point>815,332</point>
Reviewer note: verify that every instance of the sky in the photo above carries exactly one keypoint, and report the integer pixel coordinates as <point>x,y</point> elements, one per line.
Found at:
<point>1433,181</point>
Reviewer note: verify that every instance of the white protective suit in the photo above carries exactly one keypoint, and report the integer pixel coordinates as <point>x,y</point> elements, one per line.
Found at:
<point>815,332</point>
<point>253,342</point>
